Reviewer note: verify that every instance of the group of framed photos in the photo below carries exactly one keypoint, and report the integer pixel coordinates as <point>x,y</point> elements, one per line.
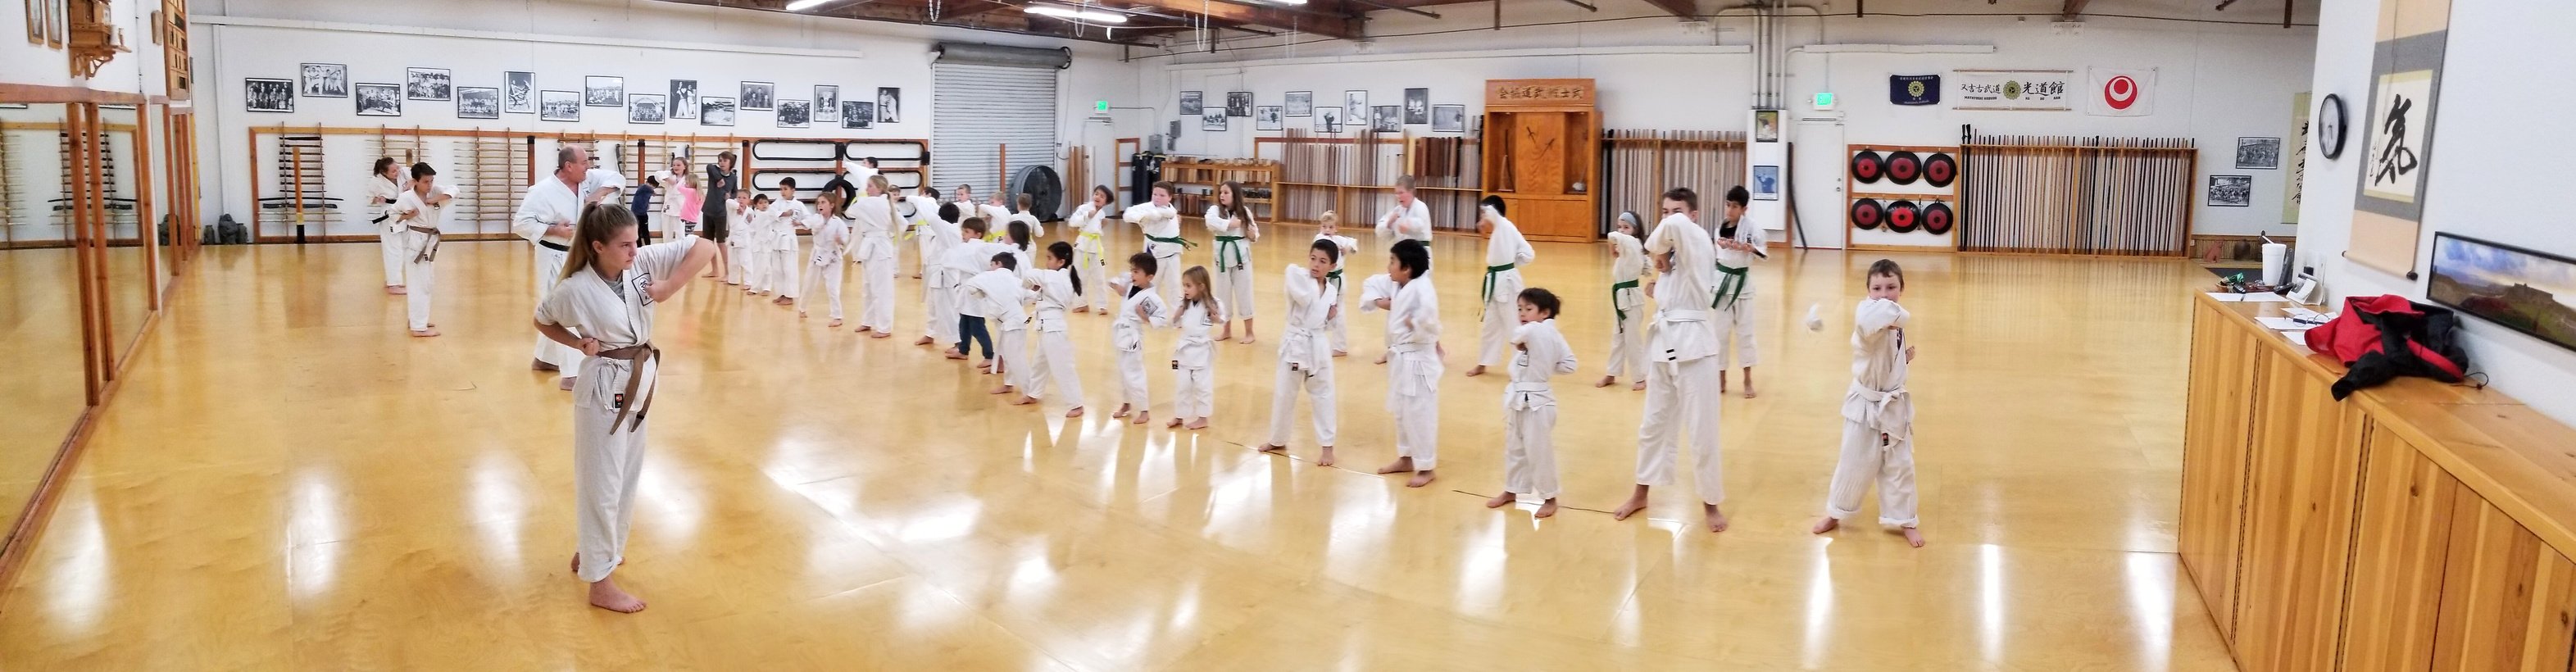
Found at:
<point>1354,112</point>
<point>2237,191</point>
<point>518,94</point>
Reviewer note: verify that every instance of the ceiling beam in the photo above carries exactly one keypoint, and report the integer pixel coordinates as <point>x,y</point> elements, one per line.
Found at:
<point>2073,11</point>
<point>1678,8</point>
<point>1329,26</point>
<point>965,8</point>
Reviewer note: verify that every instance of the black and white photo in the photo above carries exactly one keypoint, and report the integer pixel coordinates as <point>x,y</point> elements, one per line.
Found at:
<point>379,100</point>
<point>1212,119</point>
<point>325,80</point>
<point>478,102</point>
<point>1301,103</point>
<point>1238,103</point>
<point>1192,103</point>
<point>429,84</point>
<point>268,95</point>
<point>889,105</point>
<point>559,105</point>
<point>2231,191</point>
<point>1448,118</point>
<point>795,113</point>
<point>759,96</point>
<point>1355,107</point>
<point>2258,153</point>
<point>1386,118</point>
<point>827,102</point>
<point>603,91</point>
<point>713,111</point>
<point>1328,120</point>
<point>518,92</point>
<point>647,108</point>
<point>858,114</point>
<point>1417,106</point>
<point>684,99</point>
<point>1267,118</point>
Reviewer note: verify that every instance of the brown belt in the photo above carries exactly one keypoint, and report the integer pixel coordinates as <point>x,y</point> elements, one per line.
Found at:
<point>641,355</point>
<point>428,252</point>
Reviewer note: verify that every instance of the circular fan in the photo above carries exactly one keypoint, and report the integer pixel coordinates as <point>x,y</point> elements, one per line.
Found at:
<point>1045,190</point>
<point>1867,166</point>
<point>1939,170</point>
<point>1937,218</point>
<point>1903,216</point>
<point>1866,212</point>
<point>1904,167</point>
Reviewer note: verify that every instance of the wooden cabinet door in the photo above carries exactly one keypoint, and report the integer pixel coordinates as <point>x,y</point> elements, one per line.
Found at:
<point>2304,470</point>
<point>2506,597</point>
<point>2399,543</point>
<point>2215,421</point>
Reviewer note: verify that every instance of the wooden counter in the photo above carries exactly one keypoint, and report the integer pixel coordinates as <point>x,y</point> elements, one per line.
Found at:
<point>2412,526</point>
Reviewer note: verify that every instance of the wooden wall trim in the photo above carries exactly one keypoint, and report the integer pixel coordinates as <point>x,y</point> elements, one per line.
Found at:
<point>39,93</point>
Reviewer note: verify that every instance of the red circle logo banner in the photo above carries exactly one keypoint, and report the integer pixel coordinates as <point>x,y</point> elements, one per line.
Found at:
<point>2120,93</point>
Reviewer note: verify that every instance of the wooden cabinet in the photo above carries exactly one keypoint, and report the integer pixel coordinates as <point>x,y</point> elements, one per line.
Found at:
<point>2215,425</point>
<point>1542,148</point>
<point>2302,468</point>
<point>2506,597</point>
<point>2398,546</point>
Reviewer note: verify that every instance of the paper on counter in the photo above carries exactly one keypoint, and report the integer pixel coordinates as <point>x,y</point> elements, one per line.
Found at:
<point>2282,324</point>
<point>2296,337</point>
<point>2230,297</point>
<point>2264,297</point>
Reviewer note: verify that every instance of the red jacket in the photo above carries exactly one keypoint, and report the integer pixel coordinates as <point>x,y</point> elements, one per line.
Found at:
<point>2386,336</point>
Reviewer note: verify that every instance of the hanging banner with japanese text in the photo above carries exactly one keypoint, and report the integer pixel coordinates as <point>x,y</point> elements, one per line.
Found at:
<point>2119,92</point>
<point>2012,89</point>
<point>1914,89</point>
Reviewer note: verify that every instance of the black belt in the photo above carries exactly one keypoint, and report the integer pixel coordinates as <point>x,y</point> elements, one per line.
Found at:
<point>380,219</point>
<point>552,245</point>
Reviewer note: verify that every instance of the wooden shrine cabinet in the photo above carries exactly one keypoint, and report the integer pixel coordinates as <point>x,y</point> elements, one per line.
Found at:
<point>1542,149</point>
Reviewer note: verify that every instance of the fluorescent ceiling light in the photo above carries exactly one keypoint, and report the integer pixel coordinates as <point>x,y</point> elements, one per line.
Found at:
<point>1063,12</point>
<point>802,5</point>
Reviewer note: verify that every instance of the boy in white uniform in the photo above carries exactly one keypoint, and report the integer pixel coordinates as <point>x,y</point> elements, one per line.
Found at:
<point>1529,405</point>
<point>545,219</point>
<point>1737,248</point>
<point>1410,220</point>
<point>1330,228</point>
<point>831,244</point>
<point>1139,307</point>
<point>1627,303</point>
<point>421,209</point>
<point>382,188</point>
<point>1878,415</point>
<point>787,215</point>
<point>1413,378</point>
<point>971,256</point>
<point>743,224</point>
<point>1235,232</point>
<point>1305,362</point>
<point>938,233</point>
<point>1089,255</point>
<point>1681,372</point>
<point>872,215</point>
<point>1161,224</point>
<point>758,217</point>
<point>1003,297</point>
<point>1505,252</point>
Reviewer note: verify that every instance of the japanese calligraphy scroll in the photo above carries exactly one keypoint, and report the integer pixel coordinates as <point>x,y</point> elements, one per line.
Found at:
<point>2011,89</point>
<point>2406,77</point>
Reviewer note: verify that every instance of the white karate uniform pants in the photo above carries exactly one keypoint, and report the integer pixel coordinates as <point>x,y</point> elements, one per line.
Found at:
<point>1055,365</point>
<point>1339,324</point>
<point>1529,449</point>
<point>1194,392</point>
<point>782,271</point>
<point>1628,342</point>
<point>1678,394</point>
<point>390,248</point>
<point>1094,267</point>
<point>549,269</point>
<point>1012,346</point>
<point>1494,338</point>
<point>606,466</point>
<point>1416,407</point>
<point>876,294</point>
<point>828,273</point>
<point>1131,379</point>
<point>1317,385</point>
<point>943,313</point>
<point>1865,459</point>
<point>424,278</point>
<point>737,261</point>
<point>1167,273</point>
<point>1735,334</point>
<point>1234,287</point>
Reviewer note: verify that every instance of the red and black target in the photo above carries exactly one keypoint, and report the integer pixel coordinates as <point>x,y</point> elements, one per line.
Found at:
<point>1937,218</point>
<point>1939,170</point>
<point>1904,167</point>
<point>1903,216</point>
<point>1867,166</point>
<point>1866,213</point>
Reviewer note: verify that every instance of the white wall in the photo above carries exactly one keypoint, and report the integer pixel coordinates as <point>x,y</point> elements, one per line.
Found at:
<point>2483,182</point>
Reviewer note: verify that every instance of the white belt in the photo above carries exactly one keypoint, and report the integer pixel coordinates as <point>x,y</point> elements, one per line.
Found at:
<point>1683,316</point>
<point>1878,401</point>
<point>1521,396</point>
<point>1406,348</point>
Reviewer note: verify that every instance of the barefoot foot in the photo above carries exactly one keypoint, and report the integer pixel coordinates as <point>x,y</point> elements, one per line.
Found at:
<point>605,595</point>
<point>1024,400</point>
<point>1381,359</point>
<point>1914,537</point>
<point>1174,424</point>
<point>1478,371</point>
<point>1272,448</point>
<point>1716,518</point>
<point>1825,524</point>
<point>1420,478</point>
<point>1327,459</point>
<point>1400,465</point>
<point>1075,413</point>
<point>1142,417</point>
<point>1607,381</point>
<point>880,335</point>
<point>1341,353</point>
<point>425,333</point>
<point>1198,424</point>
<point>1546,510</point>
<point>1122,411</point>
<point>1501,500</point>
<point>1639,387</point>
<point>1005,389</point>
<point>925,340</point>
<point>1635,504</point>
<point>836,324</point>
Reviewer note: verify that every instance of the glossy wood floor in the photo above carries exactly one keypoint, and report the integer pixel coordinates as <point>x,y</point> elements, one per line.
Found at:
<point>289,481</point>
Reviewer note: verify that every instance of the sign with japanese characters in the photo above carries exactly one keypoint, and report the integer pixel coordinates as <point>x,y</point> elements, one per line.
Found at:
<point>2400,114</point>
<point>2011,89</point>
<point>2398,119</point>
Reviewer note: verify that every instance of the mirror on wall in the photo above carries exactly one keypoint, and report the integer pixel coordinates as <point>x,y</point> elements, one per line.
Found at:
<point>123,157</point>
<point>40,333</point>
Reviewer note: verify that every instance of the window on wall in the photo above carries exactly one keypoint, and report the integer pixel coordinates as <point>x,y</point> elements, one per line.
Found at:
<point>986,115</point>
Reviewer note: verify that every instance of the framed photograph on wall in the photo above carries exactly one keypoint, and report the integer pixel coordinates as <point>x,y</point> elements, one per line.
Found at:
<point>684,99</point>
<point>559,105</point>
<point>1328,120</point>
<point>1192,103</point>
<point>379,100</point>
<point>713,111</point>
<point>1355,107</point>
<point>1448,118</point>
<point>1766,125</point>
<point>2231,191</point>
<point>324,80</point>
<point>853,117</point>
<point>2258,153</point>
<point>759,96</point>
<point>1238,103</point>
<point>429,84</point>
<point>518,92</point>
<point>1386,118</point>
<point>647,108</point>
<point>795,113</point>
<point>1212,120</point>
<point>2523,289</point>
<point>889,105</point>
<point>1301,103</point>
<point>603,91</point>
<point>268,95</point>
<point>1766,183</point>
<point>827,103</point>
<point>1267,118</point>
<point>478,102</point>
<point>1417,106</point>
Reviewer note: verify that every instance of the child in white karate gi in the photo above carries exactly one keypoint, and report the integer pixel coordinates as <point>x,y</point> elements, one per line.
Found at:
<point>1139,308</point>
<point>1161,225</point>
<point>1305,359</point>
<point>873,217</point>
<point>1413,374</point>
<point>1330,228</point>
<point>1529,405</point>
<point>1235,232</point>
<point>1681,374</point>
<point>1739,244</point>
<point>1505,252</point>
<point>1878,414</point>
<point>1090,256</point>
<point>1058,286</point>
<point>787,215</point>
<point>831,243</point>
<point>1193,357</point>
<point>1004,299</point>
<point>1627,303</point>
<point>421,209</point>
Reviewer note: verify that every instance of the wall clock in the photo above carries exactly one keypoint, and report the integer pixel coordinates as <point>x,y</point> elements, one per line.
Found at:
<point>2330,127</point>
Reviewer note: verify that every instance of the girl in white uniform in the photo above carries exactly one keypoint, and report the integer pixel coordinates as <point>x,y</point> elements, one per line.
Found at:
<point>1330,228</point>
<point>932,224</point>
<point>740,233</point>
<point>385,185</point>
<point>1193,365</point>
<point>1161,224</point>
<point>421,209</point>
<point>1878,415</point>
<point>1681,372</point>
<point>1739,244</point>
<point>1413,377</point>
<point>1004,296</point>
<point>831,243</point>
<point>604,306</point>
<point>1529,405</point>
<point>1305,359</point>
<point>1139,307</point>
<point>1505,252</point>
<point>786,216</point>
<point>1089,255</point>
<point>873,217</point>
<point>1235,232</point>
<point>1627,304</point>
<point>1058,287</point>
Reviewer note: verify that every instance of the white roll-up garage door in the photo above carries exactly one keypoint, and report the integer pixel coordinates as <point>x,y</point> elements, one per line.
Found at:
<point>979,110</point>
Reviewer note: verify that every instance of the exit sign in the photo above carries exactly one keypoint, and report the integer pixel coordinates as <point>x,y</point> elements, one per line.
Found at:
<point>1824,100</point>
<point>1100,106</point>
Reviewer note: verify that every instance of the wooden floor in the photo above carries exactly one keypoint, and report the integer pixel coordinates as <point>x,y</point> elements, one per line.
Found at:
<point>288,481</point>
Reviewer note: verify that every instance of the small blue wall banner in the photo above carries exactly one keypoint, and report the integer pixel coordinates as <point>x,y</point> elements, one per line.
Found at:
<point>1914,89</point>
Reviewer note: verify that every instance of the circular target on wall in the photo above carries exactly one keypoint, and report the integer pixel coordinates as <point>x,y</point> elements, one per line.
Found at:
<point>1937,218</point>
<point>1866,213</point>
<point>1904,167</point>
<point>1867,166</point>
<point>1903,216</point>
<point>1940,170</point>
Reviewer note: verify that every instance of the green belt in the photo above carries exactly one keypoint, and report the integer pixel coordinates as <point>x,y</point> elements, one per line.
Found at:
<point>1225,244</point>
<point>1490,273</point>
<point>1614,298</point>
<point>1729,289</point>
<point>1183,242</point>
<point>1335,277</point>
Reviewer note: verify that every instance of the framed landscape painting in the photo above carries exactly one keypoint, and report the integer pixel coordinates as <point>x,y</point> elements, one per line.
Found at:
<point>2525,290</point>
